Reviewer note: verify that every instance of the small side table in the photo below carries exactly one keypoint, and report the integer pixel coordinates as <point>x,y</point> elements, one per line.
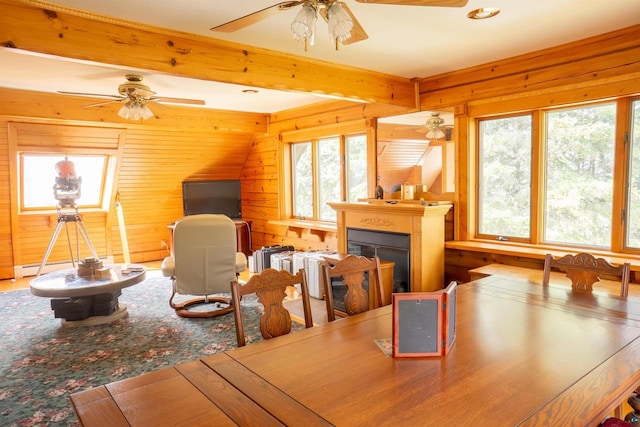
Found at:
<point>84,301</point>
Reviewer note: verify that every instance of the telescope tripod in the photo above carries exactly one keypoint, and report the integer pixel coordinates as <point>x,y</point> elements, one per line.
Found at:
<point>64,218</point>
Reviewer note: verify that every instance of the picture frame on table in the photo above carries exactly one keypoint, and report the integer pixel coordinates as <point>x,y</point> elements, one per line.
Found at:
<point>424,323</point>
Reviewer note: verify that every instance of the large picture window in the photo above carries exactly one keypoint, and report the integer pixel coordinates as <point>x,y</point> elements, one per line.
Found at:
<point>38,174</point>
<point>329,177</point>
<point>302,171</point>
<point>633,193</point>
<point>327,170</point>
<point>36,148</point>
<point>504,198</point>
<point>356,167</point>
<point>578,190</point>
<point>561,176</point>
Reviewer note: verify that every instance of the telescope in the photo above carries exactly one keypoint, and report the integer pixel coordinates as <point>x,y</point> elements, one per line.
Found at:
<point>66,191</point>
<point>67,187</point>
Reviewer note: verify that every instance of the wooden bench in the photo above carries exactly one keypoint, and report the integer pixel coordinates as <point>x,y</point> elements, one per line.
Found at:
<point>535,253</point>
<point>556,278</point>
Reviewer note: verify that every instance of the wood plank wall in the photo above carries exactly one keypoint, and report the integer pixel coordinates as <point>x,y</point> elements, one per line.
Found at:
<point>153,166</point>
<point>184,143</point>
<point>606,66</point>
<point>6,239</point>
<point>261,176</point>
<point>155,159</point>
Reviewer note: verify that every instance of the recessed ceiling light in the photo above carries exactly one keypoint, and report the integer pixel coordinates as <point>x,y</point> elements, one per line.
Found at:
<point>483,13</point>
<point>249,91</point>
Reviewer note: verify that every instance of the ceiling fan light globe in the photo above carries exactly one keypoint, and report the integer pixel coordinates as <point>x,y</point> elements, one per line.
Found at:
<point>303,25</point>
<point>125,111</point>
<point>146,113</point>
<point>435,133</point>
<point>340,23</point>
<point>342,38</point>
<point>135,111</point>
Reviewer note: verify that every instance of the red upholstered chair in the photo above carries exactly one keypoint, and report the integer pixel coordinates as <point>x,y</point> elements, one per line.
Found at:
<point>271,288</point>
<point>615,422</point>
<point>584,270</point>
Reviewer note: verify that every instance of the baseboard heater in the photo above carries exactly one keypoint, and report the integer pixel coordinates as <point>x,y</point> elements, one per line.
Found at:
<point>20,271</point>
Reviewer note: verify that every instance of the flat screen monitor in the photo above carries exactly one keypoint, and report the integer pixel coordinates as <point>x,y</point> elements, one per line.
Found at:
<point>216,197</point>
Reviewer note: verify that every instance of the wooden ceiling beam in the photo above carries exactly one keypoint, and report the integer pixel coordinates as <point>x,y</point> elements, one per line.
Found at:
<point>38,26</point>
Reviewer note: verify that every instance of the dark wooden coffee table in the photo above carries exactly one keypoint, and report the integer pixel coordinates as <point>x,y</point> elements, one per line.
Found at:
<point>83,301</point>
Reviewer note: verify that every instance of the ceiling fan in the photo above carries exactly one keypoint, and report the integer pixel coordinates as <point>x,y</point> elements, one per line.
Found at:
<point>344,28</point>
<point>135,96</point>
<point>435,128</point>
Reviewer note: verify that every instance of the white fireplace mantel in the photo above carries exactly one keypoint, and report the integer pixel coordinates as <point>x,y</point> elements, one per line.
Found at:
<point>423,223</point>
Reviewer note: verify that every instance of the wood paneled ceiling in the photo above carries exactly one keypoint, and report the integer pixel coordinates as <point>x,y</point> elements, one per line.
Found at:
<point>404,41</point>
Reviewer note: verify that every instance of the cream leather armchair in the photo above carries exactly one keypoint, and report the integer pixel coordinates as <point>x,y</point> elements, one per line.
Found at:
<point>204,262</point>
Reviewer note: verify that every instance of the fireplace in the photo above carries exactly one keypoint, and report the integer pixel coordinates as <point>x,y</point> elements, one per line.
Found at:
<point>393,247</point>
<point>398,221</point>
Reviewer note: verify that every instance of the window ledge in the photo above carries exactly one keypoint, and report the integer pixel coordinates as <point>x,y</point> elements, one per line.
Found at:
<point>318,228</point>
<point>539,251</point>
<point>54,212</point>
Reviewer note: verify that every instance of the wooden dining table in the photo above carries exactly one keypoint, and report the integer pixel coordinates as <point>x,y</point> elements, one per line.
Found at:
<point>523,355</point>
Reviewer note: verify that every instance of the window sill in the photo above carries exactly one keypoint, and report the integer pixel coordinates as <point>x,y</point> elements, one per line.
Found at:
<point>54,212</point>
<point>539,251</point>
<point>318,228</point>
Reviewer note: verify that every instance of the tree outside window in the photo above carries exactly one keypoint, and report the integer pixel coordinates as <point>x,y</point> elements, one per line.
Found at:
<point>505,177</point>
<point>356,154</point>
<point>329,174</point>
<point>302,179</point>
<point>580,152</point>
<point>633,194</point>
<point>576,183</point>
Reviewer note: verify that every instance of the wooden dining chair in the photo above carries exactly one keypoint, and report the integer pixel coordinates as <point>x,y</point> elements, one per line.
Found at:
<point>271,288</point>
<point>352,270</point>
<point>584,270</point>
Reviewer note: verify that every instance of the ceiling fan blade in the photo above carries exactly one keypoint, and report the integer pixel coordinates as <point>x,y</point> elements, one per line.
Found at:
<point>255,17</point>
<point>177,100</point>
<point>99,95</point>
<point>357,32</point>
<point>438,3</point>
<point>104,103</point>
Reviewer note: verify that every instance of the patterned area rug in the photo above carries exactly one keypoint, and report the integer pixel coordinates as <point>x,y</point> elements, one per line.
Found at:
<point>43,363</point>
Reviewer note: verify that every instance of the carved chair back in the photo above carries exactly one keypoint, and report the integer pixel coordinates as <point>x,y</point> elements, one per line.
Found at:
<point>352,270</point>
<point>584,270</point>
<point>271,288</point>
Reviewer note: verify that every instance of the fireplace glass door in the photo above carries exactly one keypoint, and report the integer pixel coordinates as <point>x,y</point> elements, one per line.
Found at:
<point>393,247</point>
